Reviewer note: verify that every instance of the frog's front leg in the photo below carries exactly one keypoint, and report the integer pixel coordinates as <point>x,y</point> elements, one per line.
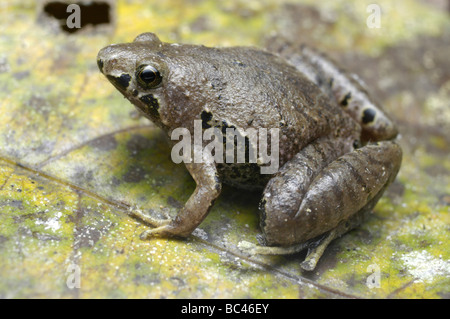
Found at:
<point>312,195</point>
<point>197,206</point>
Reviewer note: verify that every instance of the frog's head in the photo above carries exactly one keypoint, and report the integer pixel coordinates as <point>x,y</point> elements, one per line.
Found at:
<point>143,71</point>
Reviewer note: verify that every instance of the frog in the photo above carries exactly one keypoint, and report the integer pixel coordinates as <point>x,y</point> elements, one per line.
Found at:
<point>338,149</point>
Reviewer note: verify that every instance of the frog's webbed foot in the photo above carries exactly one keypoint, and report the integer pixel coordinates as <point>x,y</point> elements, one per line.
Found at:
<point>316,246</point>
<point>315,249</point>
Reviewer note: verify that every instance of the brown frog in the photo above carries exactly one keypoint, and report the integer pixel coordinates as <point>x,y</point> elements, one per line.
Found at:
<point>335,148</point>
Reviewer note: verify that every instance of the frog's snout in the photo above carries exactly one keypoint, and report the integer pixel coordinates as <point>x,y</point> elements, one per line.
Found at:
<point>107,62</point>
<point>106,58</point>
<point>100,64</point>
<point>101,57</point>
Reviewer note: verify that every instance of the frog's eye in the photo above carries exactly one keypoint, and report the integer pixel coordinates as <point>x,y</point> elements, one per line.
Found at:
<point>148,76</point>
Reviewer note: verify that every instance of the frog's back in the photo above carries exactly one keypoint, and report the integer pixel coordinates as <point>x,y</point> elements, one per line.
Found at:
<point>254,88</point>
<point>250,88</point>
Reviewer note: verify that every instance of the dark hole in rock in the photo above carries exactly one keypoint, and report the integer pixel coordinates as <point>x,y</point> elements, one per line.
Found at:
<point>93,13</point>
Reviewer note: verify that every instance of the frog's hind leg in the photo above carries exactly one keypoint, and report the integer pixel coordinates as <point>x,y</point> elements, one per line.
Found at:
<point>345,88</point>
<point>155,222</point>
<point>317,248</point>
<point>320,189</point>
<point>353,97</point>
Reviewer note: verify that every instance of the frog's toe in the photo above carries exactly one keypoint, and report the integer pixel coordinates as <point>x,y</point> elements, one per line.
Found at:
<point>317,249</point>
<point>155,222</point>
<point>253,249</point>
<point>163,231</point>
<point>247,247</point>
<point>144,235</point>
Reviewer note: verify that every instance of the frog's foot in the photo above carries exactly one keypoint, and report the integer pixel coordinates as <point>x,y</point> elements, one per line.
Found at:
<point>254,249</point>
<point>316,246</point>
<point>162,231</point>
<point>155,222</point>
<point>316,251</point>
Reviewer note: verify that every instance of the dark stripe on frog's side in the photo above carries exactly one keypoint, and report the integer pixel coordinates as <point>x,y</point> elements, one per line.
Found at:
<point>368,116</point>
<point>152,104</point>
<point>206,119</point>
<point>225,126</point>
<point>121,82</point>
<point>346,99</point>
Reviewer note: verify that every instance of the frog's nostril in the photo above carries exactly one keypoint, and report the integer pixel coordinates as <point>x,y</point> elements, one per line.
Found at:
<point>100,64</point>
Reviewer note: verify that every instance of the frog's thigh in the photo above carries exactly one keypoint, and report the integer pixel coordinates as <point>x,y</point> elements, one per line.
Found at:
<point>338,191</point>
<point>197,206</point>
<point>285,191</point>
